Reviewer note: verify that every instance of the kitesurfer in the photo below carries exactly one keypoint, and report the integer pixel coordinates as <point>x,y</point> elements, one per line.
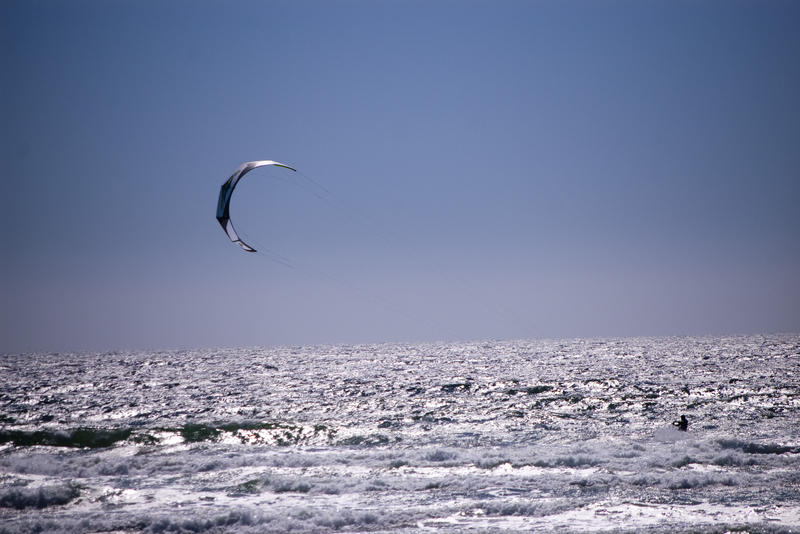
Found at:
<point>682,424</point>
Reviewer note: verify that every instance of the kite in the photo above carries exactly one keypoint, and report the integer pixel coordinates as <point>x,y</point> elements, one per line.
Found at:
<point>226,191</point>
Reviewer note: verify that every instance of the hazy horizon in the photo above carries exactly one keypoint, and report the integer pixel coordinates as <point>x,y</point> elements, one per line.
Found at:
<point>470,170</point>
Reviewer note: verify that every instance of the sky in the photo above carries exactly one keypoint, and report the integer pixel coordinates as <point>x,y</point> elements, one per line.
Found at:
<point>469,170</point>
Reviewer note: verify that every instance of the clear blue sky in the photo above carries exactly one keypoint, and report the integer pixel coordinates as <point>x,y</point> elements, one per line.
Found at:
<point>495,170</point>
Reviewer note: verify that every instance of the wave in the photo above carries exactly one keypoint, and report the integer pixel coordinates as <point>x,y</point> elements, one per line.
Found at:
<point>41,497</point>
<point>249,433</point>
<point>256,433</point>
<point>243,520</point>
<point>81,437</point>
<point>758,448</point>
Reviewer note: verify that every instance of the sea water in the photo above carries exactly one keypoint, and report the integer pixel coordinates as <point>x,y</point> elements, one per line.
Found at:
<point>498,436</point>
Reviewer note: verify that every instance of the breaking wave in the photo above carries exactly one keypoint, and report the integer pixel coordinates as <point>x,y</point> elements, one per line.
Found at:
<point>41,497</point>
<point>248,433</point>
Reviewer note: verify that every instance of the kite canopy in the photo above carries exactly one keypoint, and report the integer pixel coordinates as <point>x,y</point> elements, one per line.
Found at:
<point>226,191</point>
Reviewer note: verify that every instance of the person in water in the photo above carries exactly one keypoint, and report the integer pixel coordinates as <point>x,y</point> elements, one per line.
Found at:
<point>683,424</point>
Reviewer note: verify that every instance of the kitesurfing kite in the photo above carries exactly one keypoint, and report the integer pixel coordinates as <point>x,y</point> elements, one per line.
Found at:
<point>225,192</point>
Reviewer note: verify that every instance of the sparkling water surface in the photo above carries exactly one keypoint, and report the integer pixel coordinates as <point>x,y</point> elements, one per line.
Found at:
<point>500,436</point>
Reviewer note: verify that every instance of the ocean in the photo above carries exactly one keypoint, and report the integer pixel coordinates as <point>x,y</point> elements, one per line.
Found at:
<point>491,436</point>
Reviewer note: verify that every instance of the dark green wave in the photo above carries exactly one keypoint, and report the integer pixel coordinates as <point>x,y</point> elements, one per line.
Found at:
<point>281,434</point>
